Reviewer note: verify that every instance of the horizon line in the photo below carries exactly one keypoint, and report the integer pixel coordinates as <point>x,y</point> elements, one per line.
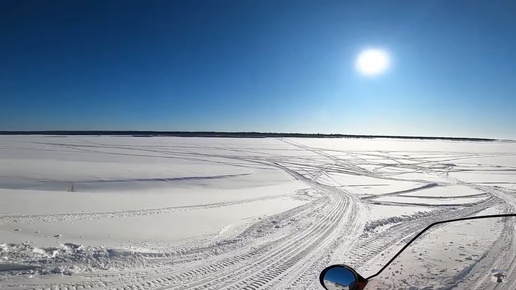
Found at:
<point>240,134</point>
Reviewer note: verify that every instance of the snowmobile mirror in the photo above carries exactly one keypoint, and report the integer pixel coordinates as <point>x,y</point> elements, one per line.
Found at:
<point>339,277</point>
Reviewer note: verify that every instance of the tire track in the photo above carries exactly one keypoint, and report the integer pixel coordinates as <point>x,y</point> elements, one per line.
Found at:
<point>287,248</point>
<point>191,269</point>
<point>290,267</point>
<point>70,217</point>
<point>342,240</point>
<point>273,250</point>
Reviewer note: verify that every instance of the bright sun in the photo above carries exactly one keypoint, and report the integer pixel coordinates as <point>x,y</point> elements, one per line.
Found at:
<point>372,62</point>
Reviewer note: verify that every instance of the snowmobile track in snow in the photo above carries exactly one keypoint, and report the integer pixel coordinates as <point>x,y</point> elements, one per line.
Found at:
<point>70,217</point>
<point>272,260</point>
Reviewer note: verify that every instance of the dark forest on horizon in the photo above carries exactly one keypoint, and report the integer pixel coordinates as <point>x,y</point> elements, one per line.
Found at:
<point>230,135</point>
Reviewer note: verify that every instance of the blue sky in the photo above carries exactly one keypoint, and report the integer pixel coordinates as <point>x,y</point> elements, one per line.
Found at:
<point>264,65</point>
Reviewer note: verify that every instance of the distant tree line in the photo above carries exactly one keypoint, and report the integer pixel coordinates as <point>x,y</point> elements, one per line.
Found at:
<point>229,135</point>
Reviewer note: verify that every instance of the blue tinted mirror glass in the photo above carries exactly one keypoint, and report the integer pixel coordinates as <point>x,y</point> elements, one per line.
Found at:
<point>339,278</point>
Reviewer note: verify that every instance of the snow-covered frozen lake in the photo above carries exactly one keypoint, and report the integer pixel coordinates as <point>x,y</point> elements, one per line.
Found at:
<point>208,213</point>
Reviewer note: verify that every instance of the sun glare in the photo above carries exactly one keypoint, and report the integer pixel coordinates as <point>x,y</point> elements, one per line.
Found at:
<point>372,62</point>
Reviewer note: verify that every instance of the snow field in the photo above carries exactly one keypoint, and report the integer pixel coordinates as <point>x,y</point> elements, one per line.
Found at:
<point>208,213</point>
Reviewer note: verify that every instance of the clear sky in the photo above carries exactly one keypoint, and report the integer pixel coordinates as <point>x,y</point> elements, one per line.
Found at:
<point>259,65</point>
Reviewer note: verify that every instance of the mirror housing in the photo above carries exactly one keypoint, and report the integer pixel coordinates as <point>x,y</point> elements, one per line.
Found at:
<point>341,277</point>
